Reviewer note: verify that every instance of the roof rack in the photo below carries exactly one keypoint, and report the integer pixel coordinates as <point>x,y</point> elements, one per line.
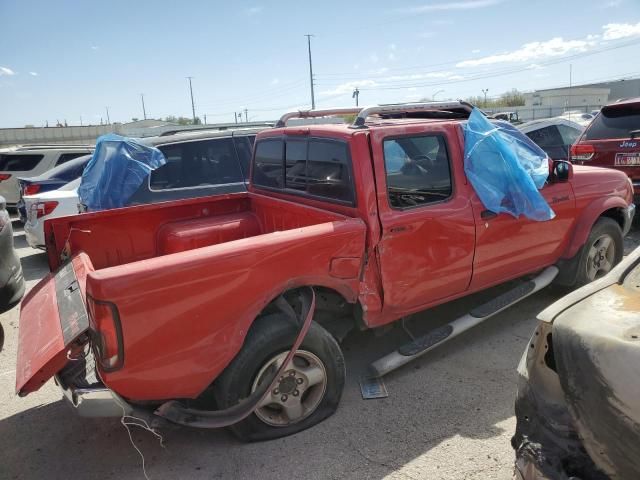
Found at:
<point>59,146</point>
<point>218,128</point>
<point>381,110</point>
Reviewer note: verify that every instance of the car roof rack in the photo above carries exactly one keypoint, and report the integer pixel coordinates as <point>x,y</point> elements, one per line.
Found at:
<point>58,146</point>
<point>220,128</point>
<point>400,110</point>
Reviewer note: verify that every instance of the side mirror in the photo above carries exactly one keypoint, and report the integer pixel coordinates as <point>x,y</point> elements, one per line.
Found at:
<point>562,170</point>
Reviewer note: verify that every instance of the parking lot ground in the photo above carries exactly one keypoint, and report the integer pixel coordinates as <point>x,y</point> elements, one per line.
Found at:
<point>449,415</point>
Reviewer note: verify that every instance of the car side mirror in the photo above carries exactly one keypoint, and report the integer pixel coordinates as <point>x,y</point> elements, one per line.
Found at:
<point>562,170</point>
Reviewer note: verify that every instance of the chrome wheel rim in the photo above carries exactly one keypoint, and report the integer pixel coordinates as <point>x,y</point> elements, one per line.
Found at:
<point>298,391</point>
<point>601,257</point>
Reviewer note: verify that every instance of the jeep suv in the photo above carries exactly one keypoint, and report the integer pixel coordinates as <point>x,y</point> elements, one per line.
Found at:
<point>613,140</point>
<point>30,161</point>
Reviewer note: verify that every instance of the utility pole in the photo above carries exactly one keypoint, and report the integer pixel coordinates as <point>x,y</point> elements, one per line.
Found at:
<point>485,90</point>
<point>108,120</point>
<point>205,118</point>
<point>313,100</point>
<point>356,94</point>
<point>193,106</point>
<point>80,120</point>
<point>570,81</point>
<point>144,111</point>
<point>235,115</point>
<point>246,116</point>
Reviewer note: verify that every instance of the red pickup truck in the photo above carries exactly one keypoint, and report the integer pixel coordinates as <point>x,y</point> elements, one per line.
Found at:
<point>189,304</point>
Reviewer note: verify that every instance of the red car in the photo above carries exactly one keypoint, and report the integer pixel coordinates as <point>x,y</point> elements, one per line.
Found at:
<point>612,140</point>
<point>183,308</point>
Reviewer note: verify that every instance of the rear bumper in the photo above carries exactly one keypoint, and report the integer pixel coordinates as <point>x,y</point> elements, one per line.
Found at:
<point>94,401</point>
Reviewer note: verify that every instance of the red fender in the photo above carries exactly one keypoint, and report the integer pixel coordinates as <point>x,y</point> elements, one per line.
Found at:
<point>587,219</point>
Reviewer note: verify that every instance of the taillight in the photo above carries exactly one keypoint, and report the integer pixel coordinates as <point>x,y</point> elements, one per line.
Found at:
<point>582,153</point>
<point>31,189</point>
<point>44,208</point>
<point>4,176</point>
<point>106,334</point>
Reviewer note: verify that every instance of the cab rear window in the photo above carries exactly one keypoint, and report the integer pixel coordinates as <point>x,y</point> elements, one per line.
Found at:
<point>614,123</point>
<point>19,163</point>
<point>314,167</point>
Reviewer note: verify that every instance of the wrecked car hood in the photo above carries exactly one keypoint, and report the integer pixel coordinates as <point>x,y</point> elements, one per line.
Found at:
<point>596,344</point>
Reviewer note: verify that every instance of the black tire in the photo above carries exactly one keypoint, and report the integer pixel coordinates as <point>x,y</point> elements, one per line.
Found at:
<point>603,226</point>
<point>269,336</point>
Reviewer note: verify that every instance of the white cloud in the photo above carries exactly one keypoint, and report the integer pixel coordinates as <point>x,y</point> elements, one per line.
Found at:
<point>379,71</point>
<point>392,46</point>
<point>33,74</point>
<point>391,56</point>
<point>6,71</point>
<point>426,35</point>
<point>94,47</point>
<point>534,66</point>
<point>616,31</point>
<point>356,66</point>
<point>455,77</point>
<point>612,4</point>
<point>252,10</point>
<point>460,5</point>
<point>275,81</point>
<point>441,22</point>
<point>374,58</point>
<point>475,50</point>
<point>532,51</point>
<point>349,87</point>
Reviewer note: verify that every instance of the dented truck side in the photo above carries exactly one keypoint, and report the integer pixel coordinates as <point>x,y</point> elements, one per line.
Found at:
<point>182,298</point>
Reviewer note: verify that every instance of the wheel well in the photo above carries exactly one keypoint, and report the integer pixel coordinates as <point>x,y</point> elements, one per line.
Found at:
<point>333,311</point>
<point>615,214</point>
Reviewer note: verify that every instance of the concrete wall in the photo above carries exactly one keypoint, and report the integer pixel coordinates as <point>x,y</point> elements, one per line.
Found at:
<point>88,135</point>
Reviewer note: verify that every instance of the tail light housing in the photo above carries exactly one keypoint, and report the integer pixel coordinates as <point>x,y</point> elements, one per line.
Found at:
<point>4,176</point>
<point>106,334</point>
<point>582,153</point>
<point>31,189</point>
<point>44,208</point>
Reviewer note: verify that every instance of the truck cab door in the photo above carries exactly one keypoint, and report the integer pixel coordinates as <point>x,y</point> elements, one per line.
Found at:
<point>509,247</point>
<point>427,244</point>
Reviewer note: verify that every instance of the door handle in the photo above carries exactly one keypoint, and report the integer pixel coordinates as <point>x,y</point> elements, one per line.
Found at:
<point>487,214</point>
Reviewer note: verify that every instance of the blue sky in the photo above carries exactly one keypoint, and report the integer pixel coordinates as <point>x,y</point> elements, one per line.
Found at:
<point>62,60</point>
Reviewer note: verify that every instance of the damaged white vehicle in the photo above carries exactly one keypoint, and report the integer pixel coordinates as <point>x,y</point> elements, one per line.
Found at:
<point>578,403</point>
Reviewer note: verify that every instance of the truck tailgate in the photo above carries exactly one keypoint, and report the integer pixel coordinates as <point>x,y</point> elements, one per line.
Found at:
<point>52,317</point>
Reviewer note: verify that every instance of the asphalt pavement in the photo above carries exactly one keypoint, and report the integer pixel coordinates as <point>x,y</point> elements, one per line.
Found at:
<point>449,415</point>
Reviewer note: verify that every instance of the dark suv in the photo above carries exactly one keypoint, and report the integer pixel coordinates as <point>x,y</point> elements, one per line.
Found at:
<point>612,140</point>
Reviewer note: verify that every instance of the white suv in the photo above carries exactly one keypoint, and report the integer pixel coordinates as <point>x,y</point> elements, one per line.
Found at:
<point>30,161</point>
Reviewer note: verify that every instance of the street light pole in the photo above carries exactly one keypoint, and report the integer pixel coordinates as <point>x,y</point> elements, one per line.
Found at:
<point>356,94</point>
<point>433,97</point>
<point>313,100</point>
<point>193,106</point>
<point>485,90</point>
<point>108,120</point>
<point>144,111</point>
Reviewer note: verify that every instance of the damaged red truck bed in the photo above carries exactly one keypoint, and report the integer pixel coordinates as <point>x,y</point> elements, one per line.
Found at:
<point>192,301</point>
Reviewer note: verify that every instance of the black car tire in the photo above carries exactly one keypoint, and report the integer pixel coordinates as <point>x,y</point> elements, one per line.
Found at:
<point>269,336</point>
<point>604,227</point>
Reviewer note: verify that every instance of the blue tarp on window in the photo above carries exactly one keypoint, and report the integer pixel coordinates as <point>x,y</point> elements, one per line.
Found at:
<point>117,169</point>
<point>505,168</point>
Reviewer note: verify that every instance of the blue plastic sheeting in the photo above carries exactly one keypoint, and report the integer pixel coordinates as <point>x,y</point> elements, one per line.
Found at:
<point>117,169</point>
<point>505,168</point>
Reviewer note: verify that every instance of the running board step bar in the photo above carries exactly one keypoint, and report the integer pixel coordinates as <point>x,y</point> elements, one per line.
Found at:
<point>440,335</point>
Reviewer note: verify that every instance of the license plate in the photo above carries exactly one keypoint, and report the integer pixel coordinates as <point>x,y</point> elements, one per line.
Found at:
<point>627,159</point>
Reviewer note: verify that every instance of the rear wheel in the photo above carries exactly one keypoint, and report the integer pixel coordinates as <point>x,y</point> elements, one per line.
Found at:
<point>602,251</point>
<point>308,392</point>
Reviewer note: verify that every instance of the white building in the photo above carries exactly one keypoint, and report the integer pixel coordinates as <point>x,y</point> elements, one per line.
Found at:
<point>568,97</point>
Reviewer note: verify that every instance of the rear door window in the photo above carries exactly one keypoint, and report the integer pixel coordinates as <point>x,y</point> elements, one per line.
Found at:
<point>19,163</point>
<point>328,170</point>
<point>268,166</point>
<point>614,123</point>
<point>197,164</point>
<point>316,167</point>
<point>550,140</point>
<point>65,157</point>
